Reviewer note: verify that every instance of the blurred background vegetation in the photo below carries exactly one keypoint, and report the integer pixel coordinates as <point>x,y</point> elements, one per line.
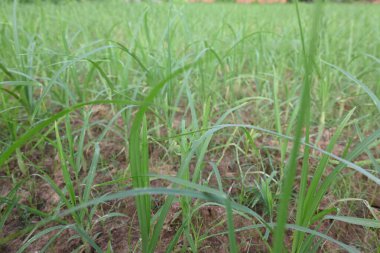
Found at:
<point>175,1</point>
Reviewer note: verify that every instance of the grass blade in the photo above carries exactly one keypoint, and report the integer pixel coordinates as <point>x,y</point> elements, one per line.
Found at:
<point>356,221</point>
<point>372,95</point>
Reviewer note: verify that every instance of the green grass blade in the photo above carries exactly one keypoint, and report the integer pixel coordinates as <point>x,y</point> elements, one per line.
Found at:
<point>356,221</point>
<point>88,182</point>
<point>5,70</point>
<point>370,93</point>
<point>65,169</point>
<point>135,161</point>
<point>41,234</point>
<point>344,246</point>
<point>344,162</point>
<point>36,129</point>
<point>87,238</point>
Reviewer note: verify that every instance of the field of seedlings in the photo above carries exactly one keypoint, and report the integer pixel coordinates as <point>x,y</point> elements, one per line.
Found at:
<point>168,127</point>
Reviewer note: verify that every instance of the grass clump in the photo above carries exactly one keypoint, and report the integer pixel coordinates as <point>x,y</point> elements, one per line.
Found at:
<point>138,127</point>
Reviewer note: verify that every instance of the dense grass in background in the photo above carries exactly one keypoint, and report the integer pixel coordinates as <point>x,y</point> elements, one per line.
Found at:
<point>267,115</point>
